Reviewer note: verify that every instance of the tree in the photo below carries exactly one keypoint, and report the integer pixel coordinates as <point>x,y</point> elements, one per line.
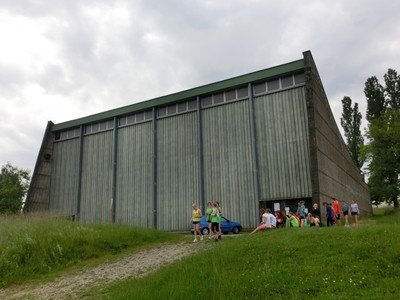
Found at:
<point>14,184</point>
<point>351,122</point>
<point>383,150</point>
<point>392,90</point>
<point>374,93</point>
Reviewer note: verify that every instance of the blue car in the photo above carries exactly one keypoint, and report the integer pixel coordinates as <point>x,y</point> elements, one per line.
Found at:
<point>226,226</point>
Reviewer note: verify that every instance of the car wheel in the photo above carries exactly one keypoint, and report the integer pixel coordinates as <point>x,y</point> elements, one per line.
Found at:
<point>205,231</point>
<point>235,230</point>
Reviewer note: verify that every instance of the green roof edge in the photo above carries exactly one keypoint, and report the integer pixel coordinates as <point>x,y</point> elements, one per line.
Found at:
<point>190,93</point>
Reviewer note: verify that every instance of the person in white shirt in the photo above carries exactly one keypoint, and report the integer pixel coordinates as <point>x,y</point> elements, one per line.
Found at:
<point>268,222</point>
<point>272,219</point>
<point>355,211</point>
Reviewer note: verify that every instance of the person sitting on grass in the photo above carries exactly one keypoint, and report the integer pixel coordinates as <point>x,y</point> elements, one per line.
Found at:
<point>268,222</point>
<point>292,220</point>
<point>280,219</point>
<point>315,211</point>
<point>312,221</point>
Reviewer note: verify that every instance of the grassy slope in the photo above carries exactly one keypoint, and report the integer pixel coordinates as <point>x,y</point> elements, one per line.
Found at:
<point>34,246</point>
<point>321,263</point>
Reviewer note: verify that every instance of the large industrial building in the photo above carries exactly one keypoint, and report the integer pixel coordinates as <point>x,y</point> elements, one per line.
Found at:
<point>263,139</point>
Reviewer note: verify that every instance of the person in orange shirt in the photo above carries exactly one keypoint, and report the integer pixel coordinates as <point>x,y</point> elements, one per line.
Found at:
<point>336,209</point>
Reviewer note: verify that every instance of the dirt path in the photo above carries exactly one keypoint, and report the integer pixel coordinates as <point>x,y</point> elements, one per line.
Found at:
<point>136,265</point>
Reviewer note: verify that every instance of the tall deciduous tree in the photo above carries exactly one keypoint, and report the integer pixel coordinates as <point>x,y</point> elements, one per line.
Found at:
<point>351,122</point>
<point>392,90</point>
<point>14,184</point>
<point>374,92</point>
<point>383,150</point>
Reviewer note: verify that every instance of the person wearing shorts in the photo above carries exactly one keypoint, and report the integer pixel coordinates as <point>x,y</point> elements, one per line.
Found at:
<point>268,221</point>
<point>196,216</point>
<point>215,221</point>
<point>336,209</point>
<point>209,211</point>
<point>354,211</point>
<point>345,210</point>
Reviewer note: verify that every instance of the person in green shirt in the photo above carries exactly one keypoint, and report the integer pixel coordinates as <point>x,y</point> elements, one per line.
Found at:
<point>215,221</point>
<point>292,220</point>
<point>209,211</point>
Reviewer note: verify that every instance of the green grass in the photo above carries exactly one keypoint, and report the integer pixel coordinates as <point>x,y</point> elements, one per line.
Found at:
<point>36,246</point>
<point>323,263</point>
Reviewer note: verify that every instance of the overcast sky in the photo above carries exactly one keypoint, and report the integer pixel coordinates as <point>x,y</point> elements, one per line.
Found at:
<point>61,60</point>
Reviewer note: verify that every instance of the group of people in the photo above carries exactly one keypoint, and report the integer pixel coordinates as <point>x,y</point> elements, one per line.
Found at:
<point>304,218</point>
<point>335,210</point>
<point>213,218</point>
<point>280,220</point>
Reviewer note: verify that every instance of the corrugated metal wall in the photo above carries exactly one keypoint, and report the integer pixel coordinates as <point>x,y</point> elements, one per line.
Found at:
<point>64,177</point>
<point>97,177</point>
<point>177,177</point>
<point>283,157</point>
<point>134,175</point>
<point>282,140</point>
<point>227,161</point>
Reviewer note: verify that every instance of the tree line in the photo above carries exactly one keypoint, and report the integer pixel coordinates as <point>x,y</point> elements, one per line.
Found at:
<point>381,150</point>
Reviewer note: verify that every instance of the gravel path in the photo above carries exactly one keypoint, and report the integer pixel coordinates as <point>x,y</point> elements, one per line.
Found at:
<point>135,265</point>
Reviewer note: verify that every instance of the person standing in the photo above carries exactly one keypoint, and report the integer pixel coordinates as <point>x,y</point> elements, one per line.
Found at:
<point>330,215</point>
<point>215,221</point>
<point>355,212</point>
<point>219,220</point>
<point>336,209</point>
<point>209,211</point>
<point>301,212</point>
<point>345,210</point>
<point>196,216</point>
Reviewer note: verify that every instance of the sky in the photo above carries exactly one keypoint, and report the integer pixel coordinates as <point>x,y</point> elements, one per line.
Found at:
<point>62,60</point>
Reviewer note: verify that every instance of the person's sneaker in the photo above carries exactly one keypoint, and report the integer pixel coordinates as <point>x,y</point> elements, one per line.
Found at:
<point>220,237</point>
<point>201,238</point>
<point>195,240</point>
